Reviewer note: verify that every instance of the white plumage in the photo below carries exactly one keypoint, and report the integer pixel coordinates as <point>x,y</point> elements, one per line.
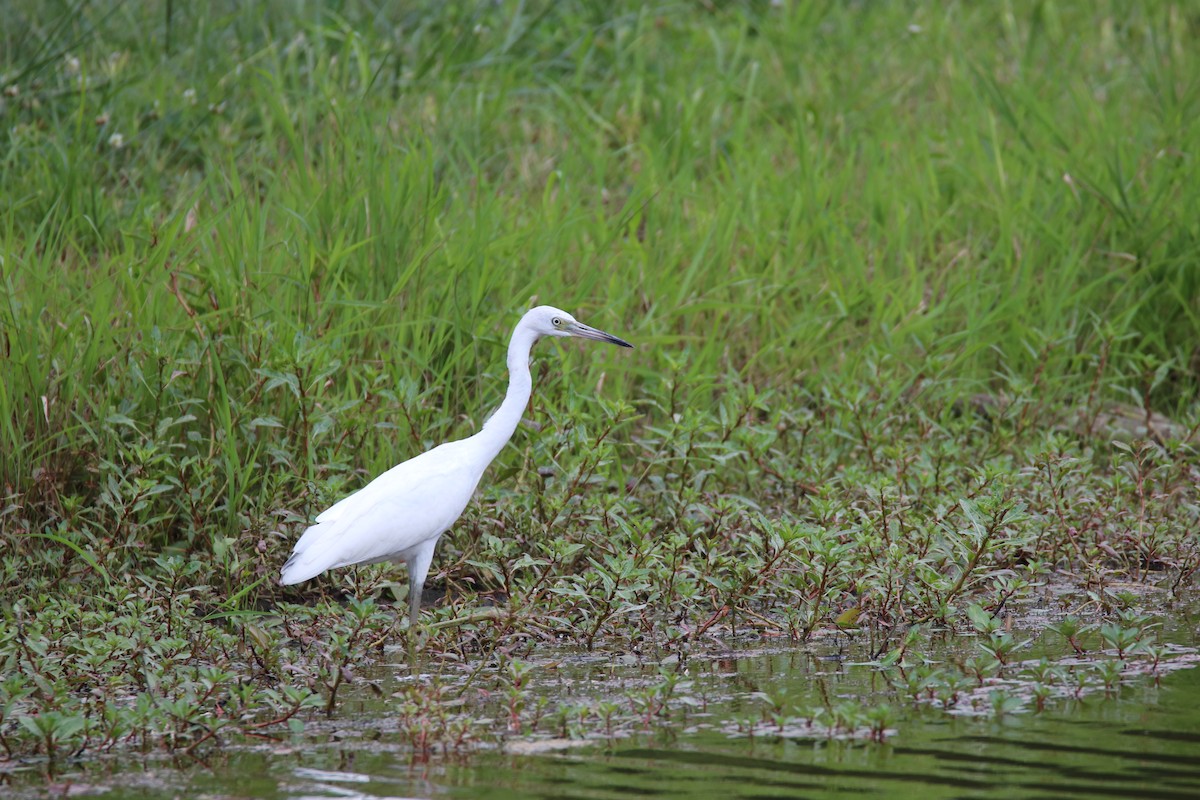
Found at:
<point>400,515</point>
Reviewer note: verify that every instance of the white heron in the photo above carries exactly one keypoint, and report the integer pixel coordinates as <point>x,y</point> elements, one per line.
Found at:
<point>400,515</point>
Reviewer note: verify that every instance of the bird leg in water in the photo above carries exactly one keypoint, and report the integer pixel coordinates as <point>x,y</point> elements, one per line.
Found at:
<point>414,650</point>
<point>414,603</point>
<point>418,568</point>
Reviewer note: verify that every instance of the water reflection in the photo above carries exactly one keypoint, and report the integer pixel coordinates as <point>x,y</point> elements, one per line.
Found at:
<point>1145,743</point>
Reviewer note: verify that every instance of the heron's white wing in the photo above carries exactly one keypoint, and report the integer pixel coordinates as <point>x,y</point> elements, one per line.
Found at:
<point>404,507</point>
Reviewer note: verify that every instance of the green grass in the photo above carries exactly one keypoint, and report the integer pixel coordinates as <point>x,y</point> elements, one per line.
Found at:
<point>251,256</point>
<point>754,193</point>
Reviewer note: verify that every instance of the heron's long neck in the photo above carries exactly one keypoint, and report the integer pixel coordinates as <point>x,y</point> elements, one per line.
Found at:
<point>500,426</point>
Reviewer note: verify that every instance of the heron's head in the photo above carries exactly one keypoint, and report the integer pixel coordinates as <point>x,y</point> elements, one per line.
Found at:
<point>551,321</point>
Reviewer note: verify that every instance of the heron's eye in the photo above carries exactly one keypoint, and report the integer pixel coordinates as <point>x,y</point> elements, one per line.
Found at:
<point>556,322</point>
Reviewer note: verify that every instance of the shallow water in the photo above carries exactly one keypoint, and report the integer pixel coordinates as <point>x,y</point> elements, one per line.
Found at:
<point>1144,742</point>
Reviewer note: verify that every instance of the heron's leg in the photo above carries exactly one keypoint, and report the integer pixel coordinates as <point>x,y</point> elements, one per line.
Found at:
<point>414,616</point>
<point>418,568</point>
<point>414,601</point>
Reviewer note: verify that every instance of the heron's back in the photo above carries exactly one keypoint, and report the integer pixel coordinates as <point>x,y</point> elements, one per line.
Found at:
<point>390,518</point>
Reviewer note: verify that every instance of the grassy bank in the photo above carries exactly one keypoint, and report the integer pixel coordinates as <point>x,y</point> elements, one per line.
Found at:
<point>888,267</point>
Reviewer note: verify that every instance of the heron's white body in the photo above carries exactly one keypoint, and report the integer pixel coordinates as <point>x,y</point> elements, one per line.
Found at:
<point>415,502</point>
<point>400,515</point>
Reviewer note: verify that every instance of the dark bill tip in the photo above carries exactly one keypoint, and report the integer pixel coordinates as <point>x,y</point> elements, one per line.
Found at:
<point>588,332</point>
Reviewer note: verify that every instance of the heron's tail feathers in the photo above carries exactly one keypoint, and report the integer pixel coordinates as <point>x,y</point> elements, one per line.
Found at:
<point>310,557</point>
<point>298,570</point>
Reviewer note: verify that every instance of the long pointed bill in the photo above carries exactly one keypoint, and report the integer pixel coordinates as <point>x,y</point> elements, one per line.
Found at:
<point>588,332</point>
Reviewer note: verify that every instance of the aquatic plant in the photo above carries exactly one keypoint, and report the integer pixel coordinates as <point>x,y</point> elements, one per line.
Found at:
<point>935,367</point>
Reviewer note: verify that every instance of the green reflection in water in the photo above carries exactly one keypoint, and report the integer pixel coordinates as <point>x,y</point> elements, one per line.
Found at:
<point>1144,744</point>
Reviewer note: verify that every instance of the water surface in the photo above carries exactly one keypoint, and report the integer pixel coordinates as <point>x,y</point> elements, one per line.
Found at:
<point>1144,742</point>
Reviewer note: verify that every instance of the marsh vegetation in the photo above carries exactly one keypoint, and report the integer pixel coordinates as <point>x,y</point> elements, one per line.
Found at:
<point>914,291</point>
